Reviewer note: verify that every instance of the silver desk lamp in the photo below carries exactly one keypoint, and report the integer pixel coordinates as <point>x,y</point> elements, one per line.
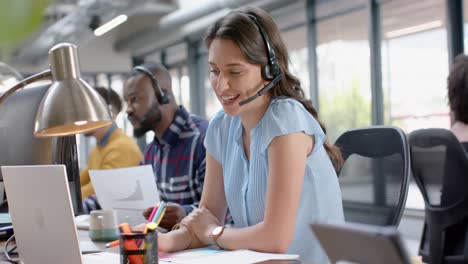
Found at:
<point>70,106</point>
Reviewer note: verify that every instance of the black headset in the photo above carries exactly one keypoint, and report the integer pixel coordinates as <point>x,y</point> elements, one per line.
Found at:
<point>162,95</point>
<point>270,72</point>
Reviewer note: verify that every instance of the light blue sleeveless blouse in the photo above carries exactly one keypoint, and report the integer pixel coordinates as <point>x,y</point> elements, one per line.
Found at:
<point>245,181</point>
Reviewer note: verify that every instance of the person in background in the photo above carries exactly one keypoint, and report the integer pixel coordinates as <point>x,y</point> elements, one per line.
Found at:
<point>267,157</point>
<point>457,86</point>
<point>176,153</point>
<point>114,149</point>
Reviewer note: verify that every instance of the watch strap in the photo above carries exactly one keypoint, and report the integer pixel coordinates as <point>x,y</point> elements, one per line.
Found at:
<point>215,237</point>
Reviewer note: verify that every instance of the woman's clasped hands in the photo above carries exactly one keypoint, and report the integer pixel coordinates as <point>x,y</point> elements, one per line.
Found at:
<point>201,222</point>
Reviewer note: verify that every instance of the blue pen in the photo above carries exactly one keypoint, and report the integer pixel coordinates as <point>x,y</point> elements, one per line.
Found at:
<point>159,212</point>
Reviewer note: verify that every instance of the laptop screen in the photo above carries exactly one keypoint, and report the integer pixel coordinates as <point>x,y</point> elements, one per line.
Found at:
<point>363,244</point>
<point>42,215</point>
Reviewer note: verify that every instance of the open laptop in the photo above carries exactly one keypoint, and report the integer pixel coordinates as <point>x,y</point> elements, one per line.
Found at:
<point>42,215</point>
<point>364,244</point>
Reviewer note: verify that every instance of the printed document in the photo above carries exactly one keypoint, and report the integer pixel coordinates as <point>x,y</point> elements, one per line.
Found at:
<point>128,191</point>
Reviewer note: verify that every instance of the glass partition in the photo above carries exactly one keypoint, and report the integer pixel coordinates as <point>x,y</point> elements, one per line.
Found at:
<point>415,64</point>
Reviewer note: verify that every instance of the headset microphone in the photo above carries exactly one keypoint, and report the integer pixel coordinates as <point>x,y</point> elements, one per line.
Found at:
<point>262,91</point>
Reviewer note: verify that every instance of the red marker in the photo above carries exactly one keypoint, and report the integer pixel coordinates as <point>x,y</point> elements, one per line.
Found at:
<point>130,244</point>
<point>113,244</point>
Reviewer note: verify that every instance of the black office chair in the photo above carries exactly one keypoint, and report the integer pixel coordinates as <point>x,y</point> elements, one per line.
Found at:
<point>440,169</point>
<point>375,176</point>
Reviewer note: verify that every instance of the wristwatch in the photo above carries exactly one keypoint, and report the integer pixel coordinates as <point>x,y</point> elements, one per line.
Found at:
<point>216,233</point>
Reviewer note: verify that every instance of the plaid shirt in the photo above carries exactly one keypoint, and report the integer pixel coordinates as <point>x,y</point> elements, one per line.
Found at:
<point>178,160</point>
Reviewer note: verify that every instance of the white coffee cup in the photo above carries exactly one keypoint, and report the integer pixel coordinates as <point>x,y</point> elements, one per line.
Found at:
<point>103,225</point>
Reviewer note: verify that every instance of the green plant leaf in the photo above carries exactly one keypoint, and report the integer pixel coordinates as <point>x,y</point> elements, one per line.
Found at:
<point>19,18</point>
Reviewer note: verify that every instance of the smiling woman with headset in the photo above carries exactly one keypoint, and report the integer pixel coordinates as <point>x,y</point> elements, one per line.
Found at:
<point>267,159</point>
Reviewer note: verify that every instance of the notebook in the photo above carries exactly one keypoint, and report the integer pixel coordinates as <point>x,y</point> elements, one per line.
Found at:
<point>364,244</point>
<point>42,215</point>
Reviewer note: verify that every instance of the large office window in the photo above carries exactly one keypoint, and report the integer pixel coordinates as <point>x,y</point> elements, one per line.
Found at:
<point>296,42</point>
<point>176,60</point>
<point>176,84</point>
<point>415,64</point>
<point>185,88</point>
<point>465,25</point>
<point>181,85</point>
<point>292,23</point>
<point>343,61</point>
<point>116,83</point>
<point>212,103</point>
<point>414,69</point>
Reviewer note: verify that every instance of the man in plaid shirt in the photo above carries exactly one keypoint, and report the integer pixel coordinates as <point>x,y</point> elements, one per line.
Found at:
<point>177,153</point>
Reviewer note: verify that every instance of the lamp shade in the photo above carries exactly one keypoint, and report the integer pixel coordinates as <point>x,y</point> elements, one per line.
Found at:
<point>70,106</point>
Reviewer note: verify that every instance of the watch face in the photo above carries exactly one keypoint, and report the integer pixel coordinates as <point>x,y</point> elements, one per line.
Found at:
<point>217,230</point>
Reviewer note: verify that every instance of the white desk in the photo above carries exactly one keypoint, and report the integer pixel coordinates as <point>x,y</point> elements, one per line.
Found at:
<point>82,236</point>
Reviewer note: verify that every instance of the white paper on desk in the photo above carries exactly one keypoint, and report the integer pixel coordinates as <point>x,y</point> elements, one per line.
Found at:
<point>236,256</point>
<point>127,190</point>
<point>101,258</point>
<point>189,254</point>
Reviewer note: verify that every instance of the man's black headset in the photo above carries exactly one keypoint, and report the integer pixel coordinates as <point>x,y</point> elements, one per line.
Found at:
<point>270,72</point>
<point>162,95</point>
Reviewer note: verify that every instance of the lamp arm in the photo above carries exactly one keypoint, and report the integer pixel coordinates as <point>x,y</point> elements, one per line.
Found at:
<point>31,79</point>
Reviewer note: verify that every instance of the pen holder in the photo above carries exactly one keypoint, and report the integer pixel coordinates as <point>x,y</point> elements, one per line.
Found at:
<point>147,253</point>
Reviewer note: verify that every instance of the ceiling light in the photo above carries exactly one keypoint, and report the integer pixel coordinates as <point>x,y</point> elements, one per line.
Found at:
<point>413,29</point>
<point>110,25</point>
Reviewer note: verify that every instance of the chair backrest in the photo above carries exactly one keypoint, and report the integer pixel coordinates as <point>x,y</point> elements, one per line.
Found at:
<point>440,168</point>
<point>375,176</point>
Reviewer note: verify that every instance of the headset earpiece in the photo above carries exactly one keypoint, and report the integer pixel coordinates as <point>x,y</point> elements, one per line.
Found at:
<point>161,95</point>
<point>272,69</point>
<point>164,98</point>
<point>267,73</point>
